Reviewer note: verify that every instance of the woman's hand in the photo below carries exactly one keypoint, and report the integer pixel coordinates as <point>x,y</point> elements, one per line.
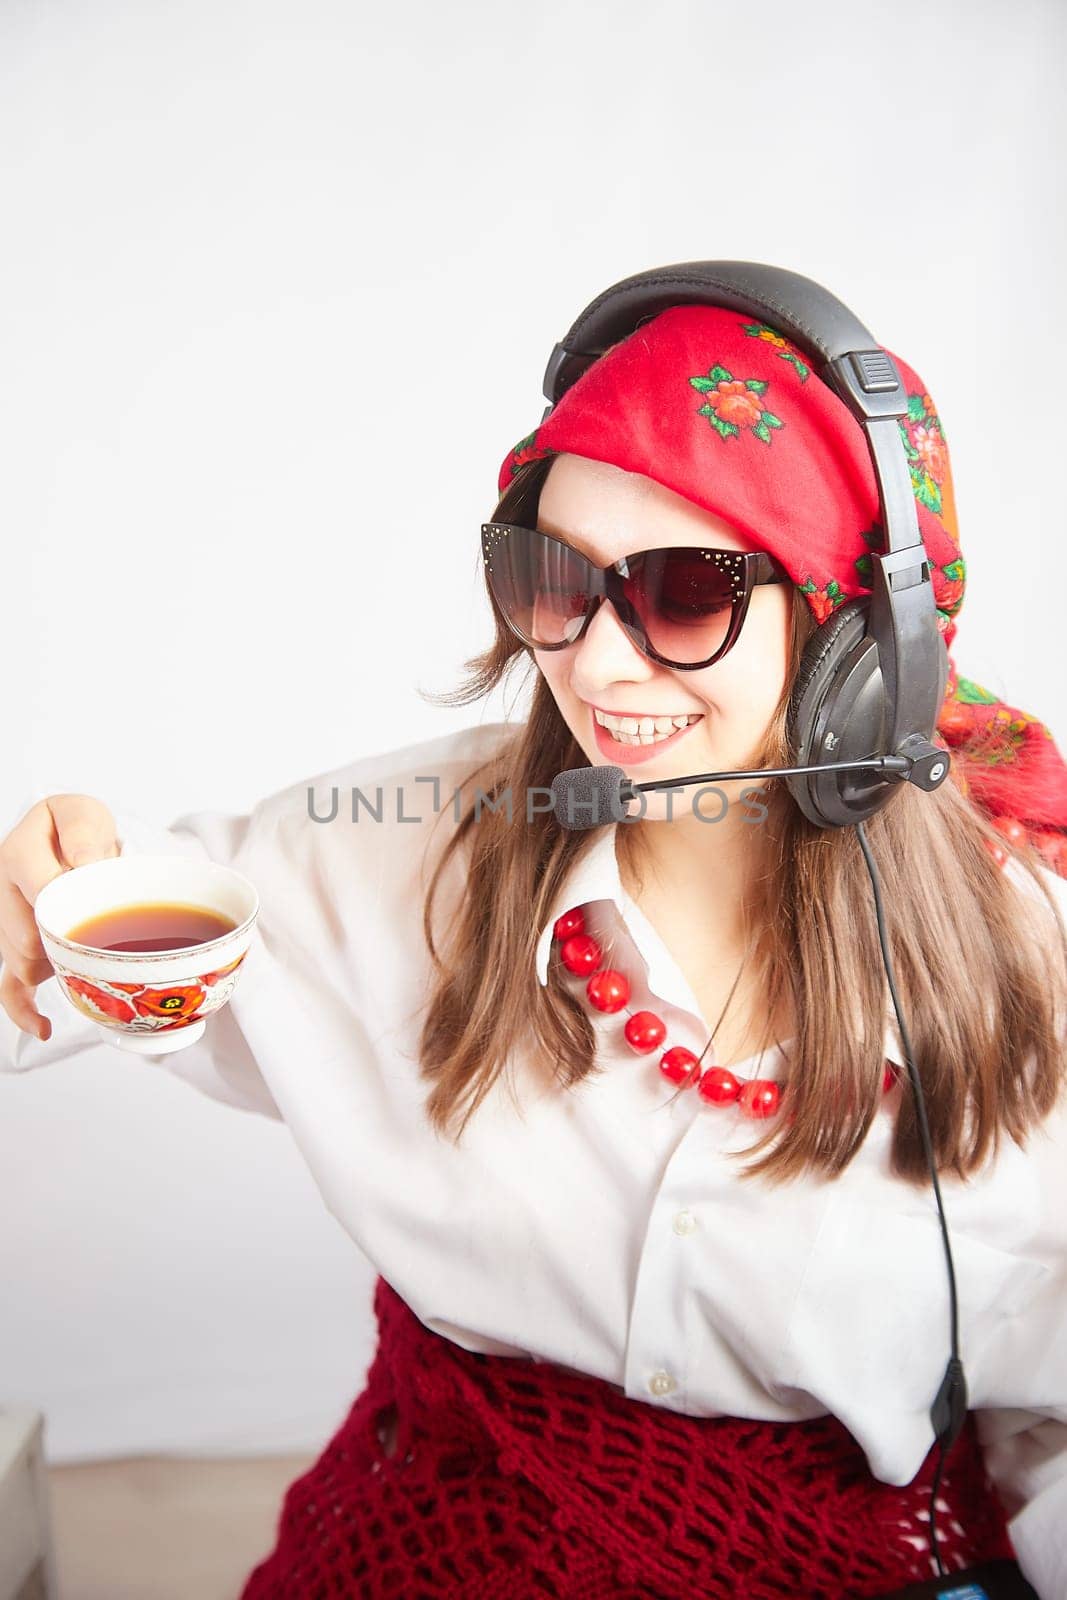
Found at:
<point>58,833</point>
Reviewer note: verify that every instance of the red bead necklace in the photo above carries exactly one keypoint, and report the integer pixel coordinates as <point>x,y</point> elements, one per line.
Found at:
<point>608,990</point>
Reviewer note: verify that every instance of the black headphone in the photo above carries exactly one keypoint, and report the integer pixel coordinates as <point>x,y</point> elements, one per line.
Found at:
<point>852,696</point>
<point>872,677</point>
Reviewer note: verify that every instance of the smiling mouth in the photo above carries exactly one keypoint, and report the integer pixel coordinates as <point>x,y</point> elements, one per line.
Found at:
<point>643,732</point>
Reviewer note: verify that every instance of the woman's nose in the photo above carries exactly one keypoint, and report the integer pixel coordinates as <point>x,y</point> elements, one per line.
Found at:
<point>606,649</point>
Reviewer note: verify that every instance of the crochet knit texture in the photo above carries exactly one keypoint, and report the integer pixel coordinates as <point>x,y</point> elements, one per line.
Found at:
<point>524,1479</point>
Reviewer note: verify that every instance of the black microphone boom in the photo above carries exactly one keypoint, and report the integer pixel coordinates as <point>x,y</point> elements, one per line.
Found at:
<point>603,793</point>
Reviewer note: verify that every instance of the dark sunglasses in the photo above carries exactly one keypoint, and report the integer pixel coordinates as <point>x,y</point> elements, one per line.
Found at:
<point>682,607</point>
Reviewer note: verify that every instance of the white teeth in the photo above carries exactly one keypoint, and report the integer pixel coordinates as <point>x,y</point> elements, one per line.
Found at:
<point>643,730</point>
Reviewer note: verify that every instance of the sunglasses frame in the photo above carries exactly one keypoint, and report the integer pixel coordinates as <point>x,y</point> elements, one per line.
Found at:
<point>606,583</point>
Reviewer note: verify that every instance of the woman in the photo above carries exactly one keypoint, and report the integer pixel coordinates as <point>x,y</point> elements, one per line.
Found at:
<point>620,1116</point>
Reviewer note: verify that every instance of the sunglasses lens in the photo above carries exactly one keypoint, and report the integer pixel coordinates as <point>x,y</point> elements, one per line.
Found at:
<point>540,584</point>
<point>685,600</point>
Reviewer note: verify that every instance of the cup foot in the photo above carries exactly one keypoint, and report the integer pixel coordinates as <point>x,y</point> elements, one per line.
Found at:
<point>154,1044</point>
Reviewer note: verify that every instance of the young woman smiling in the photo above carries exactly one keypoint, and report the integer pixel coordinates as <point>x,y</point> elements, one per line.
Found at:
<point>621,1116</point>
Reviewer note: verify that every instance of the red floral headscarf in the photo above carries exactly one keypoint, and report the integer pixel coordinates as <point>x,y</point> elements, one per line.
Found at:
<point>728,413</point>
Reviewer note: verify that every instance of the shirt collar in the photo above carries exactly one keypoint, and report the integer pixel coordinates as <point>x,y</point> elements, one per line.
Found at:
<point>596,877</point>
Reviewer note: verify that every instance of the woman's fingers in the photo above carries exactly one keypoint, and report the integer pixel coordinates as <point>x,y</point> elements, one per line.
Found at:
<point>17,1001</point>
<point>57,834</point>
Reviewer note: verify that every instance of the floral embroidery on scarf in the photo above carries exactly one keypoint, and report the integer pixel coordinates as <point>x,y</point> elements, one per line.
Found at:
<point>926,449</point>
<point>949,582</point>
<point>992,733</point>
<point>1010,736</point>
<point>972,694</point>
<point>525,451</point>
<point>734,403</point>
<point>787,352</point>
<point>822,601</point>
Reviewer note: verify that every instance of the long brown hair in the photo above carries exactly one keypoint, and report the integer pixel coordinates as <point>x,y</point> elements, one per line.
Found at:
<point>958,929</point>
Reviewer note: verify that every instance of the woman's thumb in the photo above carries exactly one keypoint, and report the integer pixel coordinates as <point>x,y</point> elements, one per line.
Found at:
<point>85,829</point>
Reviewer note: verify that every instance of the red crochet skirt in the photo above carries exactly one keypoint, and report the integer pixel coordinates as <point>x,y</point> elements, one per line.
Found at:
<point>522,1479</point>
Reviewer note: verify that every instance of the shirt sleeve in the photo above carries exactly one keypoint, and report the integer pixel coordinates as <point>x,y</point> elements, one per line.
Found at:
<point>1026,1457</point>
<point>1024,1440</point>
<point>340,864</point>
<point>221,1063</point>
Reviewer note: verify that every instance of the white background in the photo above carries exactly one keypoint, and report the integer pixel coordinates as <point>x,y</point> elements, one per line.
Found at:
<point>278,283</point>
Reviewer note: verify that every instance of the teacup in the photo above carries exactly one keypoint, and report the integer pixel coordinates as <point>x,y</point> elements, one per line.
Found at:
<point>149,1001</point>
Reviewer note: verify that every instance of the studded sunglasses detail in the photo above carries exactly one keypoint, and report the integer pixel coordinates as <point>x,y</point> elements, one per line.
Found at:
<point>681,606</point>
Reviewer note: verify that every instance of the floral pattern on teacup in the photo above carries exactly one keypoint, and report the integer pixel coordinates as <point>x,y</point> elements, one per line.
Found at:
<point>146,1007</point>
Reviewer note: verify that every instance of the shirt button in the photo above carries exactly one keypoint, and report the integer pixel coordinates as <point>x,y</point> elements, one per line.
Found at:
<point>684,1222</point>
<point>661,1383</point>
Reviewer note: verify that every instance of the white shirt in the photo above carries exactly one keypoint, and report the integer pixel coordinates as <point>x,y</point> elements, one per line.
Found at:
<point>604,1228</point>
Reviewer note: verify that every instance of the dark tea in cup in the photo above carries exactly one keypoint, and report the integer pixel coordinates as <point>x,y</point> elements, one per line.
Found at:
<point>147,946</point>
<point>151,926</point>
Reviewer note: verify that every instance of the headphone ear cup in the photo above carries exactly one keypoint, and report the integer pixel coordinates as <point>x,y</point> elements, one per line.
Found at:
<point>837,712</point>
<point>817,665</point>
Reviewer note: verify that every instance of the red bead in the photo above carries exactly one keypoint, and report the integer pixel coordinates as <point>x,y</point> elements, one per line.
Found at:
<point>889,1077</point>
<point>645,1031</point>
<point>759,1098</point>
<point>1053,847</point>
<point>997,851</point>
<point>1011,829</point>
<point>719,1085</point>
<point>608,990</point>
<point>580,954</point>
<point>955,721</point>
<point>570,923</point>
<point>677,1064</point>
